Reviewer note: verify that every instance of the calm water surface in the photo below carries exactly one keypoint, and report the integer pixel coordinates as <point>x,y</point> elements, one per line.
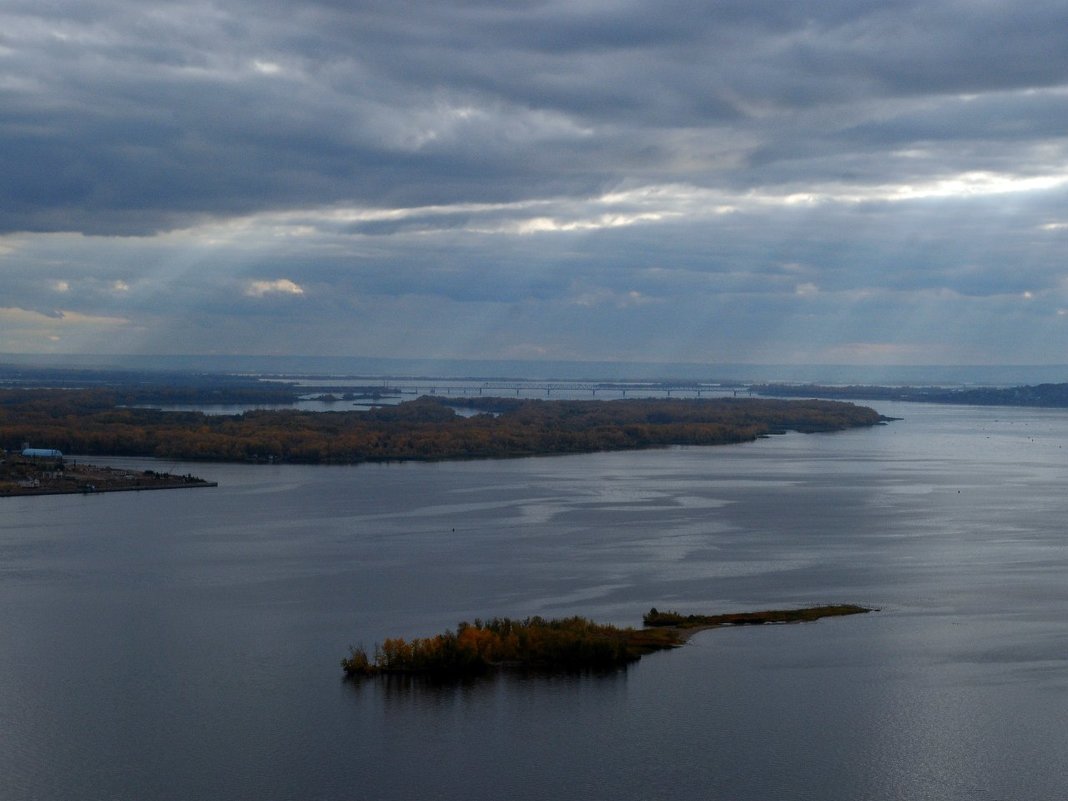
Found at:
<point>185,644</point>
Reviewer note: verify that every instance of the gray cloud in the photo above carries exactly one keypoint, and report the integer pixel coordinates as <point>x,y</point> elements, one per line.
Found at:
<point>681,180</point>
<point>122,117</point>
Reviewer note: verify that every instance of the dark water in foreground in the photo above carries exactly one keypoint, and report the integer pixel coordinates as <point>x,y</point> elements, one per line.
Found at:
<point>176,645</point>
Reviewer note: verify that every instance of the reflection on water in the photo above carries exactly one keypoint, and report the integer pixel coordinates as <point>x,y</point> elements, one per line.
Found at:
<point>186,644</point>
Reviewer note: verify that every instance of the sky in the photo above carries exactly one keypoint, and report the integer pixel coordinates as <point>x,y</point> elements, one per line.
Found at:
<point>743,181</point>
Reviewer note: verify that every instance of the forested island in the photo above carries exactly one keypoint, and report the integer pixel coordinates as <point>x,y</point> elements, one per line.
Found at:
<point>95,421</point>
<point>573,643</point>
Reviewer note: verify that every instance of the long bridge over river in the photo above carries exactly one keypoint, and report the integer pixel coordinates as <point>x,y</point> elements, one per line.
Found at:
<point>566,389</point>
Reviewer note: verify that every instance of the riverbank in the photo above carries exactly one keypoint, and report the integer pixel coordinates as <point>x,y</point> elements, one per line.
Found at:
<point>21,477</point>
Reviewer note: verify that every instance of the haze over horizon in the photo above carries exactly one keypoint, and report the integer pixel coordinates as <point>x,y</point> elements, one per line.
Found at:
<point>870,183</point>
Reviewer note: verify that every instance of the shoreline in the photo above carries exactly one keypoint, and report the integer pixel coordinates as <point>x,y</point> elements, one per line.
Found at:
<point>25,476</point>
<point>22,492</point>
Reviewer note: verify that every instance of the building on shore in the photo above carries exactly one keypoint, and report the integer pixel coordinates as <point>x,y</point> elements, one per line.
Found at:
<point>42,453</point>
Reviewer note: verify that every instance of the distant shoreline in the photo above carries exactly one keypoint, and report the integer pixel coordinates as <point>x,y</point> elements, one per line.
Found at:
<point>1038,396</point>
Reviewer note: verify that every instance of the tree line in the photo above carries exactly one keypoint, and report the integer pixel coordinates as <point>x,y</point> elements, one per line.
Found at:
<point>566,644</point>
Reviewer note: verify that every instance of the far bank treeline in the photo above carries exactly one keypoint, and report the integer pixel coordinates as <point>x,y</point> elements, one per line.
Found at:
<point>91,422</point>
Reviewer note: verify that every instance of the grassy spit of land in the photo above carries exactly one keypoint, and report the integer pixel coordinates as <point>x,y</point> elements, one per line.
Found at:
<point>688,625</point>
<point>573,643</point>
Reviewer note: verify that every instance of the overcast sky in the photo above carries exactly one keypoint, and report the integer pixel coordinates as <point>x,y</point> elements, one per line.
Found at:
<point>745,181</point>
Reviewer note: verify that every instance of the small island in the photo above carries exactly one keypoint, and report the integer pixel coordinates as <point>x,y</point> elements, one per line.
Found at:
<point>573,643</point>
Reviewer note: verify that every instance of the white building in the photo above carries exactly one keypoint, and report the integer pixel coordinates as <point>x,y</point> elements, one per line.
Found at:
<point>42,453</point>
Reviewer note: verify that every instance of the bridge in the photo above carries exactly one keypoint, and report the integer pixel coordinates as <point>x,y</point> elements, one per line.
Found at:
<point>569,388</point>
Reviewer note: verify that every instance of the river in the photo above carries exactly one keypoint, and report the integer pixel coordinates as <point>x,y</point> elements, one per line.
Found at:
<point>185,644</point>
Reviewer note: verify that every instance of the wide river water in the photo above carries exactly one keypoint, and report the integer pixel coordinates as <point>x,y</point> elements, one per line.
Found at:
<point>185,644</point>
